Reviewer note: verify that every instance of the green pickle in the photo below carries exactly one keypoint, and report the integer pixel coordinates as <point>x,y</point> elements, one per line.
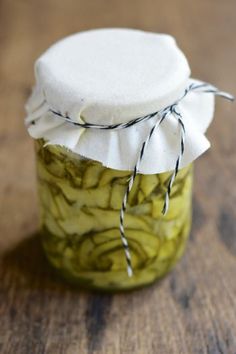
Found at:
<point>80,202</point>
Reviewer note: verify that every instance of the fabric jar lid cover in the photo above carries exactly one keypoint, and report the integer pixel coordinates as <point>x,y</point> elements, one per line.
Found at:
<point>109,76</point>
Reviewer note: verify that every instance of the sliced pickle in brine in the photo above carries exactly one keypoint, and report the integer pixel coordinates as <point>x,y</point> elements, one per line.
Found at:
<point>80,202</point>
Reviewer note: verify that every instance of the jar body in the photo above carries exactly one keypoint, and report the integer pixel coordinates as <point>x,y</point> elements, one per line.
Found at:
<point>80,202</point>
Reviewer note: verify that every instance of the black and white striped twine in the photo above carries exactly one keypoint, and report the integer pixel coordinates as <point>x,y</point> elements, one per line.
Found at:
<point>159,117</point>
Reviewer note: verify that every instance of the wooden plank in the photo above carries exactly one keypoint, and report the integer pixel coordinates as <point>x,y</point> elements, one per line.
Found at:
<point>193,310</point>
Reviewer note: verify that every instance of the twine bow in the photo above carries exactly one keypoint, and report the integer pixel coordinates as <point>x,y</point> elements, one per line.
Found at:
<point>158,117</point>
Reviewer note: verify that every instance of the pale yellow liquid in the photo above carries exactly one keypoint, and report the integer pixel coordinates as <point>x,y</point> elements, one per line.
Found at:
<point>80,202</point>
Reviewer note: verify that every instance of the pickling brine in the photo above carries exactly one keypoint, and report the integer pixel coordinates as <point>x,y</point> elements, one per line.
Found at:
<point>80,203</point>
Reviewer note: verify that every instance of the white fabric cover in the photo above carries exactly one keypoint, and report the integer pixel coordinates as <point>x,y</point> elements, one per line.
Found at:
<point>110,76</point>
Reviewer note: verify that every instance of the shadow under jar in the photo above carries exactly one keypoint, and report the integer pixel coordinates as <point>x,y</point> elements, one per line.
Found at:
<point>80,203</point>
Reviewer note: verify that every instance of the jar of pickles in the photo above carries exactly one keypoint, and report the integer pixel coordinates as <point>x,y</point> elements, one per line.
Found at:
<point>117,124</point>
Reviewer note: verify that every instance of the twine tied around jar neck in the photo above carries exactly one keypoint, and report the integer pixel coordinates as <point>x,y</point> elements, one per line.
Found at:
<point>158,117</point>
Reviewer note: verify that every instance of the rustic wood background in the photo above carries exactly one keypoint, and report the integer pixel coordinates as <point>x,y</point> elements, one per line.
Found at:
<point>193,310</point>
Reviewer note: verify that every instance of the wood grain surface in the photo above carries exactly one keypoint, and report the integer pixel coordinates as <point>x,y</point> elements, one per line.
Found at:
<point>193,310</point>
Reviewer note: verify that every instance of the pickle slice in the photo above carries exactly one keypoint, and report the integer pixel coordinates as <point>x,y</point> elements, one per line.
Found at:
<point>80,203</point>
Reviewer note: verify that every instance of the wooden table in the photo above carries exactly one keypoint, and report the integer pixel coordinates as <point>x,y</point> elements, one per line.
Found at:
<point>193,310</point>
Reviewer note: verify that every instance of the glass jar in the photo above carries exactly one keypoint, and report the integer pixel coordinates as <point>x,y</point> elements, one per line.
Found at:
<point>80,202</point>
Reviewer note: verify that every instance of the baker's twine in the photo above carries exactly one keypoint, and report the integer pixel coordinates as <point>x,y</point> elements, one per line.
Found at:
<point>158,117</point>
